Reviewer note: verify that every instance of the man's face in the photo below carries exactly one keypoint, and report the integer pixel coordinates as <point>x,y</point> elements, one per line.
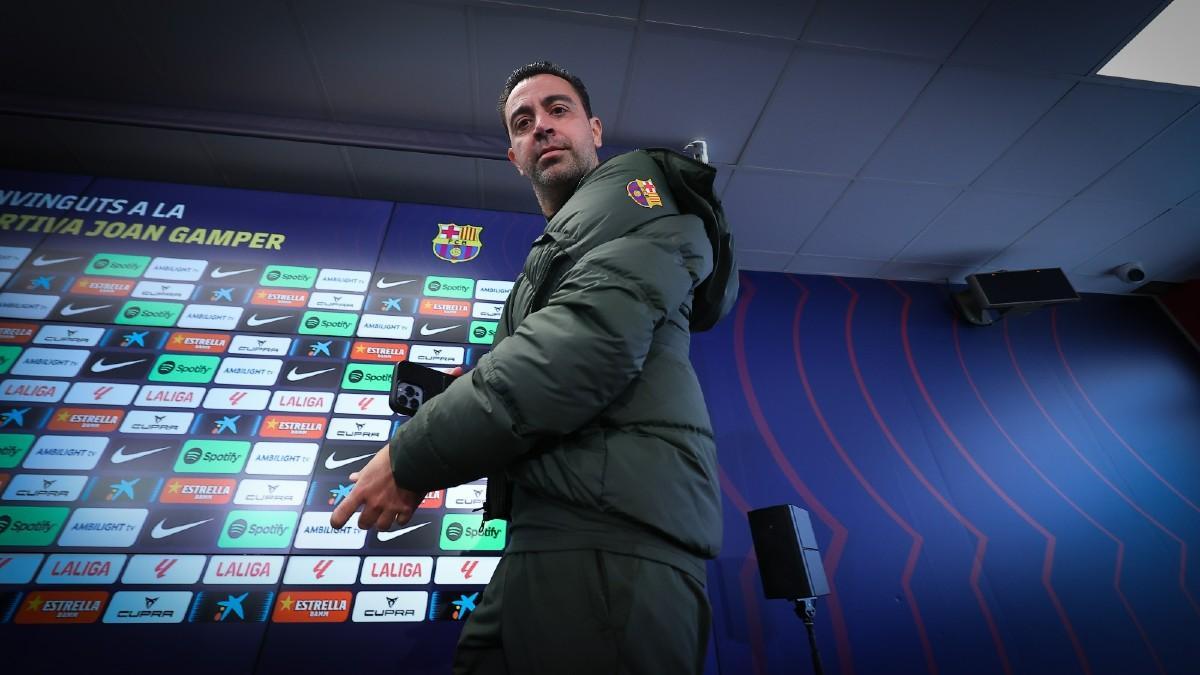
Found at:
<point>553,140</point>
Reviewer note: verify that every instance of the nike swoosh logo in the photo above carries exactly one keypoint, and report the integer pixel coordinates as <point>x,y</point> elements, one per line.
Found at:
<point>388,536</point>
<point>221,274</point>
<point>255,321</point>
<point>388,284</point>
<point>331,463</point>
<point>40,261</point>
<point>101,367</point>
<point>426,330</point>
<point>120,456</point>
<point>293,376</point>
<point>72,310</point>
<point>159,531</point>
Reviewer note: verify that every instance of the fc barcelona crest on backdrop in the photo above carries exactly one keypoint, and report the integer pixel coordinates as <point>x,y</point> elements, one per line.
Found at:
<point>457,243</point>
<point>643,193</point>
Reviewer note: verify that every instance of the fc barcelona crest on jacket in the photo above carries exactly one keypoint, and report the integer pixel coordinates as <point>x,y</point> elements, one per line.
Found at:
<point>457,243</point>
<point>643,193</point>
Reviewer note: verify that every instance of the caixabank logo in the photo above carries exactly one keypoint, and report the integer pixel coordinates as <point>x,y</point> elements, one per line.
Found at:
<point>22,418</point>
<point>231,606</point>
<point>135,338</point>
<point>453,604</point>
<point>123,490</point>
<point>238,424</point>
<point>312,607</point>
<point>320,348</point>
<point>43,607</point>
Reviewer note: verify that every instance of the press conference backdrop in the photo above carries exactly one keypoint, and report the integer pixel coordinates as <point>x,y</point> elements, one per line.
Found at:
<point>189,374</point>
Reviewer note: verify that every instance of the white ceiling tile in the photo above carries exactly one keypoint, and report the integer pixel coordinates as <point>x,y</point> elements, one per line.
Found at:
<point>594,49</point>
<point>1168,242</point>
<point>689,84</point>
<point>415,177</point>
<point>926,28</point>
<point>1074,233</point>
<point>921,271</point>
<point>392,63</point>
<point>763,17</point>
<point>1166,171</point>
<point>874,219</point>
<point>284,166</point>
<point>804,263</point>
<point>833,109</point>
<point>761,261</point>
<point>977,226</point>
<point>776,211</point>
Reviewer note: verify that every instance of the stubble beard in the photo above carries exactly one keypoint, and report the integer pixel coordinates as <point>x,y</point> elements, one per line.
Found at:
<point>563,174</point>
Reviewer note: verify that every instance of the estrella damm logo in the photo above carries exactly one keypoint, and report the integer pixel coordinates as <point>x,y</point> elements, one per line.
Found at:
<point>457,243</point>
<point>643,193</point>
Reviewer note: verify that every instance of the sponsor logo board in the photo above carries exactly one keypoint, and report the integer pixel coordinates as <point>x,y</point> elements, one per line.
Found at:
<point>156,422</point>
<point>390,606</point>
<point>205,456</point>
<point>316,532</point>
<point>312,607</point>
<point>464,570</point>
<point>354,281</point>
<point>258,529</point>
<point>163,569</point>
<point>74,336</point>
<point>386,569</point>
<point>161,290</point>
<point>32,391</point>
<point>260,345</point>
<point>301,401</point>
<point>101,393</point>
<point>176,269</point>
<point>82,568</point>
<point>99,527</point>
<point>41,487</point>
<point>26,305</point>
<point>30,525</point>
<point>42,607</point>
<point>148,607</point>
<point>282,459</point>
<point>164,396</point>
<point>210,316</point>
<point>274,492</point>
<point>66,453</point>
<point>236,399</point>
<point>244,569</point>
<point>312,570</point>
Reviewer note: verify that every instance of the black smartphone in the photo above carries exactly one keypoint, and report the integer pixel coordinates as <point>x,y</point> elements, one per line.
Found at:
<point>414,384</point>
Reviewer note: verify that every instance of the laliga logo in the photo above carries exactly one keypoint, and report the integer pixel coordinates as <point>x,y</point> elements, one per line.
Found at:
<point>312,322</point>
<point>166,367</point>
<point>101,263</point>
<point>356,376</point>
<point>237,528</point>
<point>132,312</point>
<point>273,275</point>
<point>192,456</point>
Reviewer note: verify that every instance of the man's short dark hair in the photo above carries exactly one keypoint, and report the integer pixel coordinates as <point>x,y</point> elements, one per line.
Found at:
<point>542,68</point>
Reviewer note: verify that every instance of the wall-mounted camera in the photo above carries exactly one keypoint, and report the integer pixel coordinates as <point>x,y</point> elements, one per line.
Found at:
<point>1131,273</point>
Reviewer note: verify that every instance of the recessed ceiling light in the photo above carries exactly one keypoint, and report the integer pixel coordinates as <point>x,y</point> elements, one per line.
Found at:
<point>1167,50</point>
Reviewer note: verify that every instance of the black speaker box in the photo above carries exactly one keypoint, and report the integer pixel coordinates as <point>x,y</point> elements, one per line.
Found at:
<point>788,559</point>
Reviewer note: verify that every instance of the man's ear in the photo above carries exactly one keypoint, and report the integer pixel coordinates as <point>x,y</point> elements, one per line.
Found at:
<point>512,157</point>
<point>597,132</point>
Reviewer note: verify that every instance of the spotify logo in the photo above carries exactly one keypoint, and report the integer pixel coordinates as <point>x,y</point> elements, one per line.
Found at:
<point>273,275</point>
<point>5,522</point>
<point>480,332</point>
<point>356,376</point>
<point>435,286</point>
<point>312,322</point>
<point>454,531</point>
<point>166,367</point>
<point>101,263</point>
<point>192,455</point>
<point>237,528</point>
<point>132,312</point>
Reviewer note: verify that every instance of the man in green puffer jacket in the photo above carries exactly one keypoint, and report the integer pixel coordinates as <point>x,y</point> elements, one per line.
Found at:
<point>586,413</point>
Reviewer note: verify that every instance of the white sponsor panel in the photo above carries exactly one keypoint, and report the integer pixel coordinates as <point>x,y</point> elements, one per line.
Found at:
<point>242,370</point>
<point>32,391</point>
<point>390,606</point>
<point>350,429</point>
<point>487,310</point>
<point>72,336</point>
<point>162,396</point>
<point>160,290</point>
<point>50,362</point>
<point>19,568</point>
<point>496,291</point>
<point>259,345</point>
<point>463,570</point>
<point>108,528</point>
<point>282,459</point>
<point>385,326</point>
<point>301,401</point>
<point>101,393</point>
<point>237,399</point>
<point>392,569</point>
<point>176,269</point>
<point>66,453</point>
<point>220,317</point>
<point>26,305</point>
<point>82,568</point>
<point>259,492</point>
<point>343,280</point>
<point>11,257</point>
<point>346,302</point>
<point>316,532</point>
<point>156,422</point>
<point>244,569</point>
<point>148,607</point>
<point>334,570</point>
<point>45,487</point>
<point>362,404</point>
<point>436,355</point>
<point>469,497</point>
<point>164,569</point>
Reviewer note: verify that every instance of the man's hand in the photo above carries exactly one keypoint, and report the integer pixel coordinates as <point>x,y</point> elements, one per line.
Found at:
<point>383,502</point>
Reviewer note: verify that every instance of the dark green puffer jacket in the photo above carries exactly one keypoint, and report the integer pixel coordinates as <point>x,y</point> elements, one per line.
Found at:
<point>588,404</point>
